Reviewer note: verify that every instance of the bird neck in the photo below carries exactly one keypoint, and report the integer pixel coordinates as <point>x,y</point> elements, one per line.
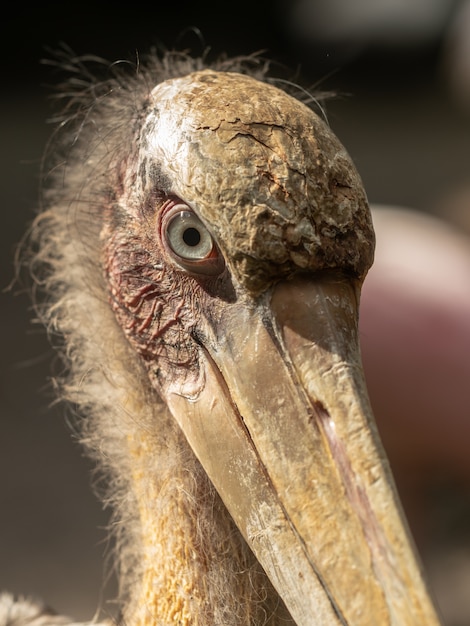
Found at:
<point>195,568</point>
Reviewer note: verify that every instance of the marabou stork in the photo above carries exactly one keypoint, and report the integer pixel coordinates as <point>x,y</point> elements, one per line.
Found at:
<point>202,246</point>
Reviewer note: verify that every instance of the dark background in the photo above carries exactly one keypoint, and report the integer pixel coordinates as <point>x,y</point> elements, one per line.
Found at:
<point>396,110</point>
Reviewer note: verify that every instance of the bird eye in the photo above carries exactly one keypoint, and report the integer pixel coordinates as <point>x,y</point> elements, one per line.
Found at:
<point>188,237</point>
<point>189,241</point>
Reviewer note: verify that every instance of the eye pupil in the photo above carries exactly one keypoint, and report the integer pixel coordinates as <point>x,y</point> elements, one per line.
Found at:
<point>191,237</point>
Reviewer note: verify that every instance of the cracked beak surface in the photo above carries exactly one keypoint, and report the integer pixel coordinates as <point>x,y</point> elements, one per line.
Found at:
<point>282,426</point>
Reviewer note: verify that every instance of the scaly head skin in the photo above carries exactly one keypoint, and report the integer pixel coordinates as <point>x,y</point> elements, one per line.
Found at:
<point>273,185</point>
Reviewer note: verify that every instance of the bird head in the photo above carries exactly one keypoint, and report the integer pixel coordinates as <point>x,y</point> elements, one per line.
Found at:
<point>234,252</point>
<point>232,234</point>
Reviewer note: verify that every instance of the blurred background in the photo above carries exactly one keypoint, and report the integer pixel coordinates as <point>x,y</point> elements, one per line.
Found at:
<point>400,74</point>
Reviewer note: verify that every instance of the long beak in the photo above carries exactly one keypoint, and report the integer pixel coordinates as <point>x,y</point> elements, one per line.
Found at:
<point>282,425</point>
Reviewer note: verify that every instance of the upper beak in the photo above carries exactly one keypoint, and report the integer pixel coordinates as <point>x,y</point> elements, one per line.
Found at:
<point>282,426</point>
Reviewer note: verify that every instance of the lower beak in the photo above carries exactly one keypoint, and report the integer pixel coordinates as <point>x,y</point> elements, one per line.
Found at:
<point>282,426</point>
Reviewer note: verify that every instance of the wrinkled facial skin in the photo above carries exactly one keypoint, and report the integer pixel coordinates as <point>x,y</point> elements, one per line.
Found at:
<point>268,179</point>
<point>157,303</point>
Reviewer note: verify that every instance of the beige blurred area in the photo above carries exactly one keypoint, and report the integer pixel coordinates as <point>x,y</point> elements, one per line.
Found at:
<point>409,135</point>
